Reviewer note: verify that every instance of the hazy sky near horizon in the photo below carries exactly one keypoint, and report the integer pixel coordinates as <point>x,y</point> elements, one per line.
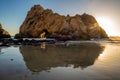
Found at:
<point>13,12</point>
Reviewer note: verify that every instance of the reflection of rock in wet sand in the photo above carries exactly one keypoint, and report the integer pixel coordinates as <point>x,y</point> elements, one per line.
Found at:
<point>82,55</point>
<point>0,50</point>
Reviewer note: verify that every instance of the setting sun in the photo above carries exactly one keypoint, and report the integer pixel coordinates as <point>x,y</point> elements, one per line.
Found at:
<point>107,24</point>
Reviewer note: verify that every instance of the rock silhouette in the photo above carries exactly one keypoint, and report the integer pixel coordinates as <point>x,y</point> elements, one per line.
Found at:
<point>39,59</point>
<point>3,33</point>
<point>39,19</point>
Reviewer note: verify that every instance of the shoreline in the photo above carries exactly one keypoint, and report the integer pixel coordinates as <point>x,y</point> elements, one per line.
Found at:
<point>38,41</point>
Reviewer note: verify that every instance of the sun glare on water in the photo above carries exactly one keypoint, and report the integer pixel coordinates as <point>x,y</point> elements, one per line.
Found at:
<point>107,24</point>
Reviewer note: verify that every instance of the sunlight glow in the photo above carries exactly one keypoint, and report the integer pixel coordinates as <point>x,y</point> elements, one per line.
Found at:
<point>102,55</point>
<point>107,24</point>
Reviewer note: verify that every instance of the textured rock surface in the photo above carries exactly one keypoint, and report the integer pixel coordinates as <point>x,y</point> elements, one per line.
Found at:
<point>39,20</point>
<point>3,33</point>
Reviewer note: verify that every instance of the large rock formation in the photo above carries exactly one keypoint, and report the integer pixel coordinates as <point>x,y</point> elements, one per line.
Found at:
<point>3,33</point>
<point>41,20</point>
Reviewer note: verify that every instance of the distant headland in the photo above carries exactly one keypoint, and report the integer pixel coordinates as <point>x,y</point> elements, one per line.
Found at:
<point>3,33</point>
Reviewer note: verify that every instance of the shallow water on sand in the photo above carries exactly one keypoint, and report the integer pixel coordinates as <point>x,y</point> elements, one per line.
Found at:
<point>83,61</point>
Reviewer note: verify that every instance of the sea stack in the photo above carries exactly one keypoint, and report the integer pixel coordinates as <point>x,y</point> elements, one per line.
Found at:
<point>54,25</point>
<point>3,33</point>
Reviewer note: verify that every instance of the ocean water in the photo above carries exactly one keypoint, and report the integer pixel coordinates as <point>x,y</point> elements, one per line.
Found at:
<point>77,61</point>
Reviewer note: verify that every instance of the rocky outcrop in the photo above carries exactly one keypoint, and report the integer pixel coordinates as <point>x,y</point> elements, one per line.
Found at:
<point>3,33</point>
<point>39,20</point>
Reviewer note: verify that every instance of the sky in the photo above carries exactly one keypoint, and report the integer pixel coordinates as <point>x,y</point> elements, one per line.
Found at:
<point>107,12</point>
